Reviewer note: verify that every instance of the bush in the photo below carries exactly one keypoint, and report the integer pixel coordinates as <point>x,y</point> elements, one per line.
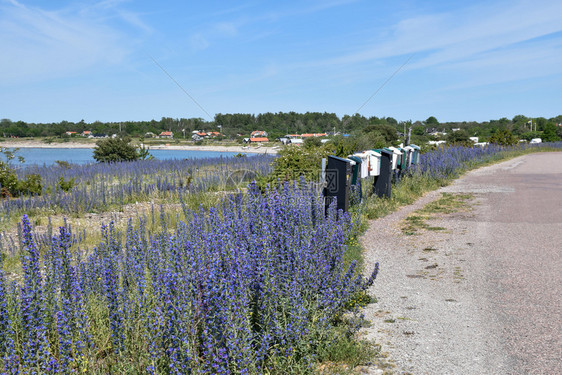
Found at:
<point>459,138</point>
<point>31,185</point>
<point>503,138</point>
<point>66,185</point>
<point>10,185</point>
<point>296,162</point>
<point>113,150</point>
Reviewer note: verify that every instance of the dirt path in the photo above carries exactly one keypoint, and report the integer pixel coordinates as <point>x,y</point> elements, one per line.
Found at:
<point>482,296</point>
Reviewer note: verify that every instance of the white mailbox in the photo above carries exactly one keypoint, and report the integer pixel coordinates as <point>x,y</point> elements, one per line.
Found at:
<point>373,162</point>
<point>364,171</point>
<point>396,154</point>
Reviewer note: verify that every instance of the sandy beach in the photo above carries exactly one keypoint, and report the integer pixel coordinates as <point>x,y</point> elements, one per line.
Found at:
<point>217,148</point>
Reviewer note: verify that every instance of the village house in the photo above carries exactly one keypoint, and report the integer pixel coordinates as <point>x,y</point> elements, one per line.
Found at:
<point>166,135</point>
<point>199,135</point>
<point>258,134</point>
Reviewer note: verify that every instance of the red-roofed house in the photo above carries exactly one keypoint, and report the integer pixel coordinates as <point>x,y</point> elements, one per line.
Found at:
<point>198,136</point>
<point>258,134</point>
<point>166,135</point>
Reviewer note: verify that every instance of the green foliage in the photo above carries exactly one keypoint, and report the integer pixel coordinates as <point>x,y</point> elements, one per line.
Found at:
<point>381,133</point>
<point>342,146</point>
<point>144,153</point>
<point>296,162</point>
<point>530,135</point>
<point>504,138</point>
<point>8,180</point>
<point>418,130</point>
<point>112,150</point>
<point>11,186</point>
<point>312,142</point>
<point>66,185</point>
<point>459,137</point>
<point>549,133</point>
<point>345,146</point>
<point>63,164</point>
<point>431,121</point>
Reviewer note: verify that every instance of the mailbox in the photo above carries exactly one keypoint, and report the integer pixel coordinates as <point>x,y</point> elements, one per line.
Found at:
<point>382,184</point>
<point>416,154</point>
<point>338,182</point>
<point>373,162</point>
<point>396,157</point>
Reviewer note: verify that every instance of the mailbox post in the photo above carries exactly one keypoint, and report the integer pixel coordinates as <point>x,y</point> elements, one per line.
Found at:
<point>338,182</point>
<point>382,184</point>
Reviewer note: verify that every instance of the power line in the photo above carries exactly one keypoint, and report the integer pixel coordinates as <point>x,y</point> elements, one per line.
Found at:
<point>180,86</point>
<point>384,84</point>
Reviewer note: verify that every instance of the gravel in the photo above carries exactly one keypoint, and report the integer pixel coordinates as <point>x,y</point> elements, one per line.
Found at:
<point>482,296</point>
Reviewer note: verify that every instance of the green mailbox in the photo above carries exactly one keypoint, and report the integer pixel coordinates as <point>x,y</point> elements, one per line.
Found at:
<point>355,169</point>
<point>416,154</point>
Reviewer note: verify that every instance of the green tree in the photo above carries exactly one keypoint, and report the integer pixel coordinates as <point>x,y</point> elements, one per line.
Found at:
<point>530,135</point>
<point>10,184</point>
<point>296,162</point>
<point>431,121</point>
<point>549,133</point>
<point>503,137</point>
<point>459,137</point>
<point>418,130</point>
<point>112,150</point>
<point>312,142</point>
<point>382,131</point>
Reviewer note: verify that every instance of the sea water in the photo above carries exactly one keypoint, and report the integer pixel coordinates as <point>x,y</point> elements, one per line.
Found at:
<point>48,156</point>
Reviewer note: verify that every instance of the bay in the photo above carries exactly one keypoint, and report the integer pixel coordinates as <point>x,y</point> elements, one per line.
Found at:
<point>48,156</point>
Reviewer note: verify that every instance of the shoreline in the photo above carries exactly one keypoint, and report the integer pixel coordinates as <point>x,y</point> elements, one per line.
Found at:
<point>71,145</point>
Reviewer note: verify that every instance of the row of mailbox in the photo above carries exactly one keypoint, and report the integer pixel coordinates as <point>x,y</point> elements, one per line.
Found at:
<point>368,163</point>
<point>343,173</point>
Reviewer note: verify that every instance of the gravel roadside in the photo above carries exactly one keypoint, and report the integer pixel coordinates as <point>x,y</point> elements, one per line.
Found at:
<point>472,298</point>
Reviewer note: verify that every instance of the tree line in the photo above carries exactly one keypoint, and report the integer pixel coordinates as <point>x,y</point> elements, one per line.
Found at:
<point>281,123</point>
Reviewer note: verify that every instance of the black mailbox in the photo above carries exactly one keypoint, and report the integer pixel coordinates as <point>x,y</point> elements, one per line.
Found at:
<point>338,182</point>
<point>382,185</point>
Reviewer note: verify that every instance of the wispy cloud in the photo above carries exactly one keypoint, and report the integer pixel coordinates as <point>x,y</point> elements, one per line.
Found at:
<point>44,44</point>
<point>207,35</point>
<point>443,39</point>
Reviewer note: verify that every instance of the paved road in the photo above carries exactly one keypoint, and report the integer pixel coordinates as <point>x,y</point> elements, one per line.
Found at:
<point>484,296</point>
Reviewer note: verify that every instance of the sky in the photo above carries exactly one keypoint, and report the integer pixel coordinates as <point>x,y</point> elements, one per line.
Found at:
<point>116,60</point>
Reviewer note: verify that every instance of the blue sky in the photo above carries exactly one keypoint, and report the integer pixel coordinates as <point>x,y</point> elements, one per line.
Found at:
<point>464,60</point>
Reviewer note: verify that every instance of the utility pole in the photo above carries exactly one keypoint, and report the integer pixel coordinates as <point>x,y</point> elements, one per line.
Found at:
<point>407,143</point>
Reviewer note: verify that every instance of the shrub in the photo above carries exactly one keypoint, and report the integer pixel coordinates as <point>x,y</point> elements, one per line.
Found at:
<point>295,162</point>
<point>66,185</point>
<point>11,186</point>
<point>503,138</point>
<point>115,150</point>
